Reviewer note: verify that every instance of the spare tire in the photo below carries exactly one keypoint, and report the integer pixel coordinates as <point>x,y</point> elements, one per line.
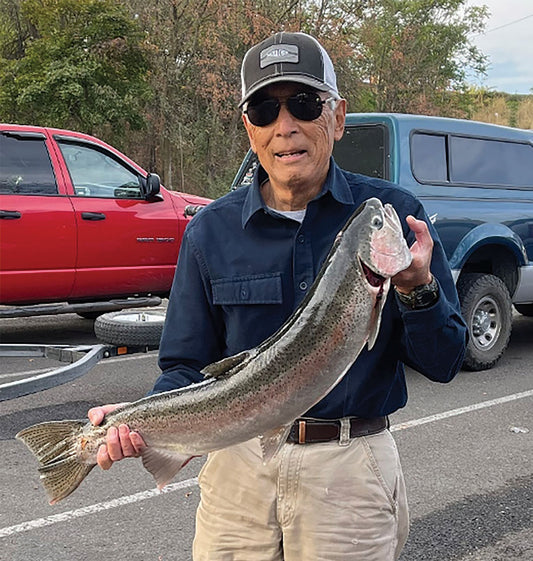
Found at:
<point>131,327</point>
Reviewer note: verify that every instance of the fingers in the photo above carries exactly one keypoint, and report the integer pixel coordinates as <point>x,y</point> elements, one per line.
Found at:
<point>421,251</point>
<point>96,414</point>
<point>120,443</point>
<point>421,232</point>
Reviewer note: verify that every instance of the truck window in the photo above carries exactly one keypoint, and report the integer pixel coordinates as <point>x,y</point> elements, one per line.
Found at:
<point>491,162</point>
<point>440,158</point>
<point>25,166</point>
<point>364,149</point>
<point>95,173</point>
<point>428,158</point>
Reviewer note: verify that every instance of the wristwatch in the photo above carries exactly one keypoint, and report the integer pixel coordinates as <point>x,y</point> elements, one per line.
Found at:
<point>422,296</point>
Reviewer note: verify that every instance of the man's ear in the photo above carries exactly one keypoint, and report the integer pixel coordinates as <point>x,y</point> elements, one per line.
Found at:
<point>340,118</point>
<point>250,130</point>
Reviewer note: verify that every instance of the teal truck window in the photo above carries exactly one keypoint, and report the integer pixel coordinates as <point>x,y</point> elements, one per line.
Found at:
<point>481,161</point>
<point>428,158</point>
<point>364,149</point>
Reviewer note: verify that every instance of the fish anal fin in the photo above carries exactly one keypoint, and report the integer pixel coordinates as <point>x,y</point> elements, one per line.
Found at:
<point>273,440</point>
<point>222,366</point>
<point>163,464</point>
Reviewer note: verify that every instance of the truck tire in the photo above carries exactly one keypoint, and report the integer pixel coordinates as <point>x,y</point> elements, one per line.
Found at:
<point>524,309</point>
<point>487,309</point>
<point>131,327</point>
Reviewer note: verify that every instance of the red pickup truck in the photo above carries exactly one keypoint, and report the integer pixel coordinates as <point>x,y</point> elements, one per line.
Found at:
<point>82,224</point>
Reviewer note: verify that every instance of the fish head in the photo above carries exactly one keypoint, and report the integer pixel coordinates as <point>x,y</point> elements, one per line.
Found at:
<point>374,239</point>
<point>380,248</point>
<point>380,252</point>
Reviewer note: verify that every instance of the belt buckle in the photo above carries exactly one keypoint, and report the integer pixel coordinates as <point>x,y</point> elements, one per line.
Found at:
<point>344,436</point>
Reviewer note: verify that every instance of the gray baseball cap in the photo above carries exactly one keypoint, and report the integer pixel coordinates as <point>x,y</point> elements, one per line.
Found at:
<point>287,57</point>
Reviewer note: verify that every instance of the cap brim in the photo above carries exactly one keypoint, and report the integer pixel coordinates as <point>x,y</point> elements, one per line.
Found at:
<point>298,78</point>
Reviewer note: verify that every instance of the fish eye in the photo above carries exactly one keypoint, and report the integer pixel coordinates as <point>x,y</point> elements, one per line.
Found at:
<point>377,222</point>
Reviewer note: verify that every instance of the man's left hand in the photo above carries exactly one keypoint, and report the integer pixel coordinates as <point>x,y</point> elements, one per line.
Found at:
<point>422,249</point>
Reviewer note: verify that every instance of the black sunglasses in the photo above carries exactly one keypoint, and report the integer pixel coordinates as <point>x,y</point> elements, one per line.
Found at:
<point>305,106</point>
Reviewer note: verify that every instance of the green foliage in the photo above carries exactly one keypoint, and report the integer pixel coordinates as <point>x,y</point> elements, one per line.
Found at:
<point>79,64</point>
<point>413,54</point>
<point>167,72</point>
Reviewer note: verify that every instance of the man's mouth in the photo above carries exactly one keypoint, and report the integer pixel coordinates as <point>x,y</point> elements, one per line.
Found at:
<point>290,154</point>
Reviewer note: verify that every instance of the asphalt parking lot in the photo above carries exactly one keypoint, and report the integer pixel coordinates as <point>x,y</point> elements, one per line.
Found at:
<point>466,447</point>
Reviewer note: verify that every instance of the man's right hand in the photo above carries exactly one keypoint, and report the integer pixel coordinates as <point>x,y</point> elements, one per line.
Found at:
<point>120,443</point>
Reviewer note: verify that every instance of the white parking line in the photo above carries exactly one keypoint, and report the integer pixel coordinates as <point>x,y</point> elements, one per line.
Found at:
<point>142,496</point>
<point>461,411</point>
<point>91,509</point>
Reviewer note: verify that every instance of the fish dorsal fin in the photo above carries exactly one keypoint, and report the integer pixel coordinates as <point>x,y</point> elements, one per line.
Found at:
<point>222,366</point>
<point>273,440</point>
<point>163,464</point>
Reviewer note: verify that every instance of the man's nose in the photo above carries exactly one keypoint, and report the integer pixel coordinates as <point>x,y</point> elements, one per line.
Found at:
<point>286,121</point>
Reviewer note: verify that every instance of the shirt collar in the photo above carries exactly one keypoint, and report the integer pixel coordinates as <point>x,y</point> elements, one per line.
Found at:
<point>335,184</point>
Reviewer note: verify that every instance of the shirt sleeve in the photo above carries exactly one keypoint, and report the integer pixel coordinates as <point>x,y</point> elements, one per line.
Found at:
<point>434,339</point>
<point>190,338</point>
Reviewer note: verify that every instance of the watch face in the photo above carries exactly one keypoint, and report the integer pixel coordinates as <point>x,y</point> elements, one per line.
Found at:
<point>426,297</point>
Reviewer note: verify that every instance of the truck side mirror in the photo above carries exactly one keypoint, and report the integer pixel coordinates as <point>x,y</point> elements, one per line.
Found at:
<point>150,186</point>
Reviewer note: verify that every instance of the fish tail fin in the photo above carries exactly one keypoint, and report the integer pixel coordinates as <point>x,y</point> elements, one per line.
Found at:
<point>54,446</point>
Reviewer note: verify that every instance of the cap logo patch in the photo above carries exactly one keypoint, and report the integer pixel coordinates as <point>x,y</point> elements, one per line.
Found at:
<point>278,53</point>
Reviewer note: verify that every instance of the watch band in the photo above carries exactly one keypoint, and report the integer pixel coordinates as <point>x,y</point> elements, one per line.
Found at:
<point>422,296</point>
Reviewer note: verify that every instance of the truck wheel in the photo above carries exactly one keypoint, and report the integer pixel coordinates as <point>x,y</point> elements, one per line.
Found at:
<point>131,327</point>
<point>487,310</point>
<point>525,309</point>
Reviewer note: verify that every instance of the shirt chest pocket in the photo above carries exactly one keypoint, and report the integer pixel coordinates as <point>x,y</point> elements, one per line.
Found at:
<point>252,289</point>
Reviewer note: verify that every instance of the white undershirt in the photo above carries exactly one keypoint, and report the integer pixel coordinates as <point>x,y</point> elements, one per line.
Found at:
<point>297,215</point>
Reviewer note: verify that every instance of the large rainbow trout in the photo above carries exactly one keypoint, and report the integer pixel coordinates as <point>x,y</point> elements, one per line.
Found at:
<point>258,392</point>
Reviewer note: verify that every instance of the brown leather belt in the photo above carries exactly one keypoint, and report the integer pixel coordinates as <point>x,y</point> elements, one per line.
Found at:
<point>308,431</point>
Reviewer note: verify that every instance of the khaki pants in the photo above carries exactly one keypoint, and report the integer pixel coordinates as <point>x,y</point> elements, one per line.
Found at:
<point>312,502</point>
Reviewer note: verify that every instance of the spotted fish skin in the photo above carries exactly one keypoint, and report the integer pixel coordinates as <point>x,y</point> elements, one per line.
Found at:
<point>258,392</point>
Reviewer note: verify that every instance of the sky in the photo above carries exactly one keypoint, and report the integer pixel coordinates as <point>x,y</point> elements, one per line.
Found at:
<point>508,42</point>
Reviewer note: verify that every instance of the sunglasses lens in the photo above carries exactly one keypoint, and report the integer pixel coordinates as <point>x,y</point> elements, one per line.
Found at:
<point>263,112</point>
<point>305,106</point>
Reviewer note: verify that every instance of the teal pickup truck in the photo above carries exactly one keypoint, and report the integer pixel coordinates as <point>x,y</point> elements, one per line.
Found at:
<point>476,183</point>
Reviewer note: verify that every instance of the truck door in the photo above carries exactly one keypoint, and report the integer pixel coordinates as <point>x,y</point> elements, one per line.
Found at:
<point>126,245</point>
<point>37,227</point>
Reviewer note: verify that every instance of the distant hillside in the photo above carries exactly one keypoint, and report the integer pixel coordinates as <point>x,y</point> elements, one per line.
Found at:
<point>504,109</point>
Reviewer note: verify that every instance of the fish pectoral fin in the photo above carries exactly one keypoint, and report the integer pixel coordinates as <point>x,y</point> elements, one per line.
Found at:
<point>163,464</point>
<point>273,440</point>
<point>222,366</point>
<point>375,320</point>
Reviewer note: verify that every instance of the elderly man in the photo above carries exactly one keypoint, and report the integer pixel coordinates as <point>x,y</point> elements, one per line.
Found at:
<point>247,260</point>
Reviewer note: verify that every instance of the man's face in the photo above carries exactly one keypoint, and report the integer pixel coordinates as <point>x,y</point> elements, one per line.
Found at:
<point>295,153</point>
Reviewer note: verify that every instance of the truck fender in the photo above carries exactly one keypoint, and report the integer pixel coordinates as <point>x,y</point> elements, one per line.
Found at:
<point>488,234</point>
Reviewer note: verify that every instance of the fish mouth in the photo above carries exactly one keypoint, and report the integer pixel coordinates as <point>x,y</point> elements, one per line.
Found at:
<point>375,281</point>
<point>373,278</point>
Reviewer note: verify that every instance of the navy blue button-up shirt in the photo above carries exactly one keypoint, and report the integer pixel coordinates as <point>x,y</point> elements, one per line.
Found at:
<point>243,269</point>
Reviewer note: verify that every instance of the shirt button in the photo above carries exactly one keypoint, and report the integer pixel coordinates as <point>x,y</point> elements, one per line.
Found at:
<point>303,285</point>
<point>301,238</point>
<point>244,293</point>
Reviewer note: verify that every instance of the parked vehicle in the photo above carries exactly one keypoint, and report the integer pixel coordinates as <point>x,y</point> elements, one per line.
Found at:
<point>476,183</point>
<point>82,227</point>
